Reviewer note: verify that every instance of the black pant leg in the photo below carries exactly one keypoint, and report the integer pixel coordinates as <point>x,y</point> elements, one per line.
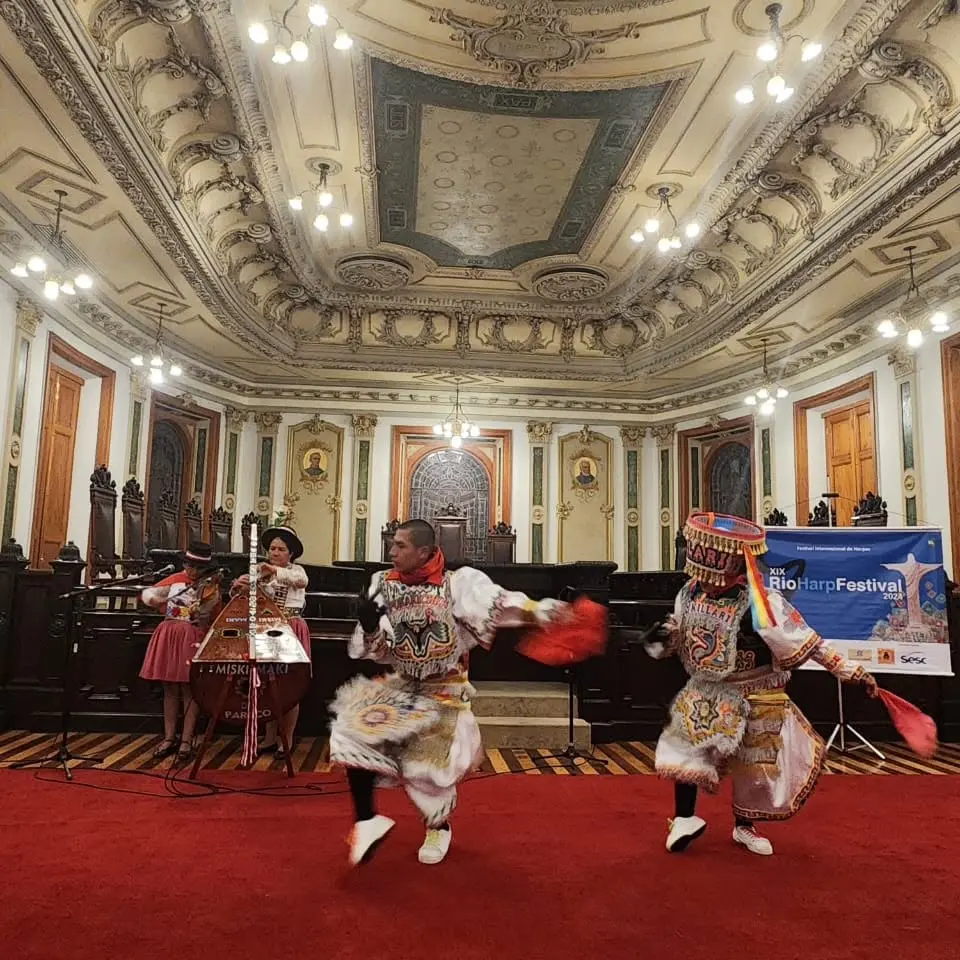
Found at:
<point>685,799</point>
<point>361,790</point>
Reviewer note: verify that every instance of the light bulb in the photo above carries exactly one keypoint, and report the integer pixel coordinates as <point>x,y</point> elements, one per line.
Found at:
<point>785,94</point>
<point>938,319</point>
<point>321,222</point>
<point>156,375</point>
<point>299,51</point>
<point>20,270</point>
<point>68,289</point>
<point>280,55</point>
<point>750,401</point>
<point>744,95</point>
<point>692,230</point>
<point>763,393</point>
<point>675,243</point>
<point>776,85</point>
<point>258,33</point>
<point>464,429</point>
<point>346,219</point>
<point>767,408</point>
<point>343,40</point>
<point>36,264</point>
<point>175,371</point>
<point>447,430</point>
<point>887,329</point>
<point>51,289</point>
<point>474,430</point>
<point>318,14</point>
<point>767,52</point>
<point>83,280</point>
<point>438,430</point>
<point>156,360</point>
<point>324,198</point>
<point>652,225</point>
<point>137,361</point>
<point>637,236</point>
<point>914,337</point>
<point>810,50</point>
<point>781,392</point>
<point>456,442</point>
<point>296,203</point>
<point>663,244</point>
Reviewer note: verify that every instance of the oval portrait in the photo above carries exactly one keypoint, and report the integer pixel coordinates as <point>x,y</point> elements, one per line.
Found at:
<point>313,466</point>
<point>585,473</point>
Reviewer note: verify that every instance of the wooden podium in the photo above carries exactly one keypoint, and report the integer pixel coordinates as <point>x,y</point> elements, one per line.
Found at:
<point>451,535</point>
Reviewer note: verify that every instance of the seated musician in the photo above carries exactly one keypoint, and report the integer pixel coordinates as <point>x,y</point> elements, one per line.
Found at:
<point>190,600</point>
<point>286,583</point>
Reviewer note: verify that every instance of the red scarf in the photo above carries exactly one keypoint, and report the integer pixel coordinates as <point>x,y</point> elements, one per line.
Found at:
<point>431,572</point>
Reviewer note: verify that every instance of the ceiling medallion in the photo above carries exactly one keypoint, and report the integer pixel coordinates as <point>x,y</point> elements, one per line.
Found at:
<point>531,39</point>
<point>570,283</point>
<point>374,273</point>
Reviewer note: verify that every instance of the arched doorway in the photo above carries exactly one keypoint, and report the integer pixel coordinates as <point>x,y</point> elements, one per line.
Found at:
<point>170,459</point>
<point>729,478</point>
<point>446,477</point>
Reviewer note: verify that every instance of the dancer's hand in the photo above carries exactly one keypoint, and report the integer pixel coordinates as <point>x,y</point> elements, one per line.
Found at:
<point>369,613</point>
<point>869,681</point>
<point>553,611</point>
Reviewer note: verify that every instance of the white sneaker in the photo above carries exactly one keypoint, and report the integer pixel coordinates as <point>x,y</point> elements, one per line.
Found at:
<point>366,836</point>
<point>683,831</point>
<point>435,846</point>
<point>748,837</point>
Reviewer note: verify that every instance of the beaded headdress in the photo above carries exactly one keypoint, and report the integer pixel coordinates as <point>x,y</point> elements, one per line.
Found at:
<point>717,544</point>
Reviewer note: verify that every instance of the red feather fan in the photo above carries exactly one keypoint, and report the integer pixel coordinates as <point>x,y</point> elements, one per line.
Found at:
<point>914,725</point>
<point>581,636</point>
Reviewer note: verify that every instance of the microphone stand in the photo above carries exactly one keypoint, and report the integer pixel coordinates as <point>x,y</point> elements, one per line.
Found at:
<point>63,756</point>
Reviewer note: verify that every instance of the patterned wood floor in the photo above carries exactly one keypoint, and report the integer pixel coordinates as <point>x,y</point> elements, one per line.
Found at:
<point>132,752</point>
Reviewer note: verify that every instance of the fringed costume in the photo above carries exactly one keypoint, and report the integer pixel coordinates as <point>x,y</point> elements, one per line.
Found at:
<point>738,642</point>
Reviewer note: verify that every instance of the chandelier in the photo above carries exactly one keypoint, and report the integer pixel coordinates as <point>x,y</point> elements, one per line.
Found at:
<point>772,52</point>
<point>324,199</point>
<point>915,310</point>
<point>289,44</point>
<point>55,281</point>
<point>456,427</point>
<point>669,237</point>
<point>158,362</point>
<point>765,397</point>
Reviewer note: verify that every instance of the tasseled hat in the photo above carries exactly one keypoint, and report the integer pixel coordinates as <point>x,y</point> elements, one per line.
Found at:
<point>717,542</point>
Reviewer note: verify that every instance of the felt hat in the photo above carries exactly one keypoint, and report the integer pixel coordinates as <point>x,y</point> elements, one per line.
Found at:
<point>288,535</point>
<point>198,554</point>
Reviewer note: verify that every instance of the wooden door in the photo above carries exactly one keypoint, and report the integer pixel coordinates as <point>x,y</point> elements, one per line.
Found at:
<point>851,458</point>
<point>58,437</point>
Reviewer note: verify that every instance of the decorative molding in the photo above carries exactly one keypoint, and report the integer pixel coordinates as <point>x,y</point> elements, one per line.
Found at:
<point>267,420</point>
<point>236,417</point>
<point>364,425</point>
<point>570,284</point>
<point>632,436</point>
<point>374,272</point>
<point>28,316</point>
<point>904,363</point>
<point>664,434</point>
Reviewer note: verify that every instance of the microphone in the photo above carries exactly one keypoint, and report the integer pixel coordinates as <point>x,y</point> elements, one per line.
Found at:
<point>169,568</point>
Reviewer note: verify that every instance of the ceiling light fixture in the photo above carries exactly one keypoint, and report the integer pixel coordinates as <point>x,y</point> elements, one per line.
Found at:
<point>324,200</point>
<point>914,314</point>
<point>55,280</point>
<point>670,238</point>
<point>772,52</point>
<point>158,362</point>
<point>291,44</point>
<point>456,427</point>
<point>765,397</point>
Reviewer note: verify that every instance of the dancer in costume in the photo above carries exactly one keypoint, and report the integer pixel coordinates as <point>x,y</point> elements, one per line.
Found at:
<point>738,642</point>
<point>285,582</point>
<point>415,725</point>
<point>191,600</point>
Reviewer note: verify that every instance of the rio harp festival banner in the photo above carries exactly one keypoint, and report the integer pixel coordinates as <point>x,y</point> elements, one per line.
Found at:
<point>878,595</point>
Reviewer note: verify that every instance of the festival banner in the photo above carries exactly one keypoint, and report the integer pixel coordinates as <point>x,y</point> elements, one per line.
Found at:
<point>878,595</point>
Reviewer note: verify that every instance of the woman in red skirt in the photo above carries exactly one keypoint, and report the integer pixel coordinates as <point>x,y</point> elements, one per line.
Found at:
<point>286,582</point>
<point>190,600</point>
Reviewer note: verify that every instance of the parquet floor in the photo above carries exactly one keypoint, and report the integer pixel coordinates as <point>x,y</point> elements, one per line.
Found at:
<point>133,752</point>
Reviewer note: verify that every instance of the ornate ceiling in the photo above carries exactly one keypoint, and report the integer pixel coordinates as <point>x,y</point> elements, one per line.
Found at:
<point>496,157</point>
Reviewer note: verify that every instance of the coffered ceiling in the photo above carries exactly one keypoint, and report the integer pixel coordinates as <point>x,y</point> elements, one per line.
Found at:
<point>496,157</point>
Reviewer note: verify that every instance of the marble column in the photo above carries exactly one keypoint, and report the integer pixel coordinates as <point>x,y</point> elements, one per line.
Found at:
<point>27,320</point>
<point>632,439</point>
<point>905,375</point>
<point>539,433</point>
<point>364,427</point>
<point>666,434</point>
<point>268,423</point>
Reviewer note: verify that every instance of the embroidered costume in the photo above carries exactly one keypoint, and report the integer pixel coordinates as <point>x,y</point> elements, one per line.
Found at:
<point>738,643</point>
<point>415,725</point>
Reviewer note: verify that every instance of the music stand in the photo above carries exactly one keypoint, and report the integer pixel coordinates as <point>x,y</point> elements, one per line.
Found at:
<point>63,756</point>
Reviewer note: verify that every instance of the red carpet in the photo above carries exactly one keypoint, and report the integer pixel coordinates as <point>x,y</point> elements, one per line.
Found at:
<point>541,867</point>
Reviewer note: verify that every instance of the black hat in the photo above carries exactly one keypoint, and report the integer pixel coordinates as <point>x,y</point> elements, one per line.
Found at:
<point>288,535</point>
<point>198,554</point>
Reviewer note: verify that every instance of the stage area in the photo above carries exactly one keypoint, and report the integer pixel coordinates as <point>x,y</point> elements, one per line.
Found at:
<point>541,867</point>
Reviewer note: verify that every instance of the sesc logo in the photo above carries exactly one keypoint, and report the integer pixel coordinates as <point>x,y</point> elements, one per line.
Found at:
<point>913,658</point>
<point>860,655</point>
<point>886,656</point>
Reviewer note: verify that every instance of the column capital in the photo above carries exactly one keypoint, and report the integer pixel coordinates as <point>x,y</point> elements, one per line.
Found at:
<point>539,431</point>
<point>364,425</point>
<point>28,316</point>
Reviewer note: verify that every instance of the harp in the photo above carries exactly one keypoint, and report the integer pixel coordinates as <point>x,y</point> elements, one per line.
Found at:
<point>250,667</point>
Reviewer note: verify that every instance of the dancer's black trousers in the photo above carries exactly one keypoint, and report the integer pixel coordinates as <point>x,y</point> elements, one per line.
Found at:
<point>685,800</point>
